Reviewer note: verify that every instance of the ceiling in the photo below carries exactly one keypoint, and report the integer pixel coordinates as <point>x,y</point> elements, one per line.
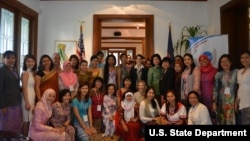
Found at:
<point>123,0</point>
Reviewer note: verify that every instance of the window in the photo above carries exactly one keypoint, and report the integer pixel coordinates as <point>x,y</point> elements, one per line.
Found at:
<point>24,41</point>
<point>18,30</point>
<point>6,31</point>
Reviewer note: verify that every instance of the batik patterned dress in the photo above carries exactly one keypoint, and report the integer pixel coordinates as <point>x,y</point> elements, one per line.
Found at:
<point>109,110</point>
<point>60,115</point>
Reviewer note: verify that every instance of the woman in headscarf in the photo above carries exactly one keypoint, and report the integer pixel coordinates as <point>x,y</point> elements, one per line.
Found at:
<point>68,79</point>
<point>39,130</point>
<point>129,126</point>
<point>208,72</point>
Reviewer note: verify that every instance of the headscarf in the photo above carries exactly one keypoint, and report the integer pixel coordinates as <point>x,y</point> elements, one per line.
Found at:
<point>208,67</point>
<point>68,77</point>
<point>128,107</point>
<point>47,105</point>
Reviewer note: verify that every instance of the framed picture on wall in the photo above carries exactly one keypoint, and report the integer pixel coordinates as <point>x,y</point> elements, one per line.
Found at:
<point>65,48</point>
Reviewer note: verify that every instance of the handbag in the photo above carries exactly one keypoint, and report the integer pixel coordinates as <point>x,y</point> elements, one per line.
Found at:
<point>25,127</point>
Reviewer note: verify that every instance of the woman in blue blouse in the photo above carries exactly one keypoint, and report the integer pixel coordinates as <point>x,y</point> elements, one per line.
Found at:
<point>83,121</point>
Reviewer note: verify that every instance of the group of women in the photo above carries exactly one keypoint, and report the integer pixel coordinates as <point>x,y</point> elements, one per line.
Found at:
<point>83,99</point>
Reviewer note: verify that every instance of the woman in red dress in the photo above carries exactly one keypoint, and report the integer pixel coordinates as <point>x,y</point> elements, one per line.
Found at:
<point>129,126</point>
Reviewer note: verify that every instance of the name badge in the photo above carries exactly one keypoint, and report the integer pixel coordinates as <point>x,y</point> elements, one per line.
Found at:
<point>71,88</point>
<point>85,118</point>
<point>227,90</point>
<point>99,107</point>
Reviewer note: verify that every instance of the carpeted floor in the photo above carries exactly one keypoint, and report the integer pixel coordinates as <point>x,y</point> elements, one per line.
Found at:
<point>98,137</point>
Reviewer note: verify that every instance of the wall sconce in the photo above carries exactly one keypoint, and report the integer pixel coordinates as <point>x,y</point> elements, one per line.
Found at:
<point>117,33</point>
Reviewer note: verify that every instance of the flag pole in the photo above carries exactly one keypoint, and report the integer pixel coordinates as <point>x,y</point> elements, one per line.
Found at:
<point>81,25</point>
<point>170,49</point>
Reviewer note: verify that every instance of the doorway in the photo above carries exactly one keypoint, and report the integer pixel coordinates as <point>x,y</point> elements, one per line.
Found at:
<point>117,23</point>
<point>130,51</point>
<point>235,23</point>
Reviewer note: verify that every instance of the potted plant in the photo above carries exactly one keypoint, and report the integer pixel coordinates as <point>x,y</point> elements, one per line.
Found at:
<point>188,32</point>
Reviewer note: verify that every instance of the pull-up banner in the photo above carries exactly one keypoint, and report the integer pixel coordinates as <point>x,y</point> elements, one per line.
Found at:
<point>213,46</point>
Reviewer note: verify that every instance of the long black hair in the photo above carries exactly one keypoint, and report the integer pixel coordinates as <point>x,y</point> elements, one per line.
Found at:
<point>192,65</point>
<point>154,105</point>
<point>168,104</point>
<point>41,67</point>
<point>106,69</point>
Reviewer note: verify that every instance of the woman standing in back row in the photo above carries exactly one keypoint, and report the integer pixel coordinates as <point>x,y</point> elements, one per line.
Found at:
<point>46,77</point>
<point>190,78</point>
<point>243,96</point>
<point>67,79</point>
<point>154,75</point>
<point>208,72</point>
<point>28,87</point>
<point>10,94</point>
<point>224,92</point>
<point>110,73</point>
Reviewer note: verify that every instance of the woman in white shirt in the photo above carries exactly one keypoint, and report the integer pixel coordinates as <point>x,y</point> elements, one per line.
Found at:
<point>243,96</point>
<point>173,112</point>
<point>198,113</point>
<point>149,111</point>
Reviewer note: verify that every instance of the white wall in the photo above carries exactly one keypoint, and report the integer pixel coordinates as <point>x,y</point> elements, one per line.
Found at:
<point>59,20</point>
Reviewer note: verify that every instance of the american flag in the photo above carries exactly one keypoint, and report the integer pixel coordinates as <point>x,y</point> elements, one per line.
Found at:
<point>81,49</point>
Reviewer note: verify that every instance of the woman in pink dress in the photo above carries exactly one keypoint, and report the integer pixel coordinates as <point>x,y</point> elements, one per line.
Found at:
<point>208,72</point>
<point>67,79</point>
<point>39,130</point>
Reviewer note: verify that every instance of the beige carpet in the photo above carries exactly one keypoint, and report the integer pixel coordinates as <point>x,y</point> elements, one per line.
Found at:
<point>98,137</point>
